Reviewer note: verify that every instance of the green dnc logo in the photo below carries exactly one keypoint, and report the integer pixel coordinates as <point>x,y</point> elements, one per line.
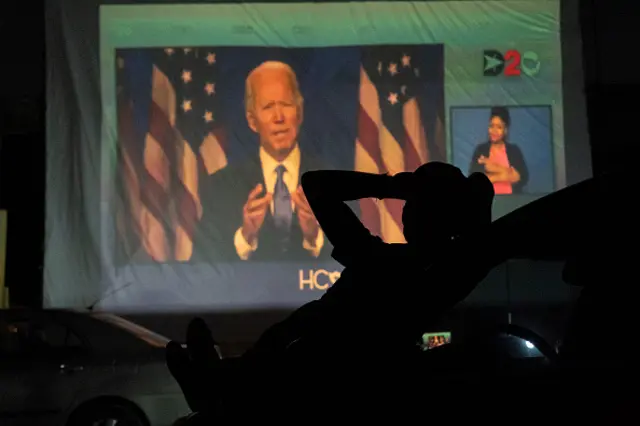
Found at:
<point>511,64</point>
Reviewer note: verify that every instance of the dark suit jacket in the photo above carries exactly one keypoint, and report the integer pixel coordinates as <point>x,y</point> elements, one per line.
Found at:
<point>516,159</point>
<point>223,196</point>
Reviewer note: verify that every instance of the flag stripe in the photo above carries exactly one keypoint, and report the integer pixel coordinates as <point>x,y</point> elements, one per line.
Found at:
<point>154,197</point>
<point>393,158</point>
<point>391,218</point>
<point>368,139</point>
<point>368,157</point>
<point>158,159</point>
<point>163,132</point>
<point>369,116</point>
<point>154,237</point>
<point>412,158</point>
<point>156,162</point>
<point>181,143</point>
<point>164,95</point>
<point>130,182</point>
<point>145,194</point>
<point>370,215</point>
<point>369,99</point>
<point>416,152</point>
<point>382,146</point>
<point>167,139</point>
<point>189,207</point>
<point>189,174</point>
<point>212,152</point>
<point>392,154</point>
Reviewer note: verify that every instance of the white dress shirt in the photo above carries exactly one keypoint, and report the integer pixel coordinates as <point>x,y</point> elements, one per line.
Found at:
<point>291,179</point>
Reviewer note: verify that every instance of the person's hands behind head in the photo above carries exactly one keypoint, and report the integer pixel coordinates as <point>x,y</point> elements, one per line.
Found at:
<point>196,367</point>
<point>404,185</point>
<point>439,184</point>
<point>438,175</point>
<point>447,202</point>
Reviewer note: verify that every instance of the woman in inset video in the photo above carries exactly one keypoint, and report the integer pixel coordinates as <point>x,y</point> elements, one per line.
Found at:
<point>500,160</point>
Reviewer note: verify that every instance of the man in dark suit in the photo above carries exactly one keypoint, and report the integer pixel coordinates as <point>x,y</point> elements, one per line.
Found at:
<point>257,210</point>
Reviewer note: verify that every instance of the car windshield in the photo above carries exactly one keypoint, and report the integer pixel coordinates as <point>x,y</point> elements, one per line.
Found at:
<point>142,333</point>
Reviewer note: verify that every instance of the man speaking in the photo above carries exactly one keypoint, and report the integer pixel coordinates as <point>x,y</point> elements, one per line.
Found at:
<point>257,210</point>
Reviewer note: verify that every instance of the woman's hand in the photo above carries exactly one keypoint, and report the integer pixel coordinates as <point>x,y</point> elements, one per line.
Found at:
<point>491,166</point>
<point>498,173</point>
<point>513,176</point>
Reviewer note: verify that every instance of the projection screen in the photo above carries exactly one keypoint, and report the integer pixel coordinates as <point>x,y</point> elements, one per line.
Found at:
<point>168,165</point>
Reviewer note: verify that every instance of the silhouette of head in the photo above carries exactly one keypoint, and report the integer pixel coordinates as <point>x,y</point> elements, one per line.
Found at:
<point>445,203</point>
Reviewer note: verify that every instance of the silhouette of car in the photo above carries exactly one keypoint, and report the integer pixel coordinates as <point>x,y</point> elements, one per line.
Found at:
<point>593,219</point>
<point>72,368</point>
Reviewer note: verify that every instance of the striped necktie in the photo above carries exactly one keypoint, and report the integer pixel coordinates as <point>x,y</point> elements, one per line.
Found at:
<point>282,210</point>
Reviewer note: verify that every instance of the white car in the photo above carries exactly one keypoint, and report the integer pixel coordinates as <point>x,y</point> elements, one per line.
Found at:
<point>69,368</point>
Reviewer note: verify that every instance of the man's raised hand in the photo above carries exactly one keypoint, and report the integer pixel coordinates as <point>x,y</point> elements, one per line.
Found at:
<point>254,212</point>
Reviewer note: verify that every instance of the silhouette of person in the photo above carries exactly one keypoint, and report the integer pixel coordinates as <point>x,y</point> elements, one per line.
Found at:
<point>442,207</point>
<point>383,286</point>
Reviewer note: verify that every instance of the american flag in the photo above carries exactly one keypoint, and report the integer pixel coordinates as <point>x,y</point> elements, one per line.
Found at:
<point>391,135</point>
<point>168,139</point>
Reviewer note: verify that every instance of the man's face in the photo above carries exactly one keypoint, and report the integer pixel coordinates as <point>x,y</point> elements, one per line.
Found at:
<point>275,116</point>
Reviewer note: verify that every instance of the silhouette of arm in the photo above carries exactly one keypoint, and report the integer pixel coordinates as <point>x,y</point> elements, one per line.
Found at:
<point>327,191</point>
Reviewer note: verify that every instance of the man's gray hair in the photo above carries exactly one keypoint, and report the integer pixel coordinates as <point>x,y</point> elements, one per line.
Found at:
<point>249,95</point>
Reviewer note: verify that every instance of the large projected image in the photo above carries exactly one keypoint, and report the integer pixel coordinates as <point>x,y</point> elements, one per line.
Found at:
<point>221,136</point>
<point>211,113</point>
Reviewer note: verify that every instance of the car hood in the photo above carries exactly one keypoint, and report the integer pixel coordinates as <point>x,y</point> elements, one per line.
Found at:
<point>562,224</point>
